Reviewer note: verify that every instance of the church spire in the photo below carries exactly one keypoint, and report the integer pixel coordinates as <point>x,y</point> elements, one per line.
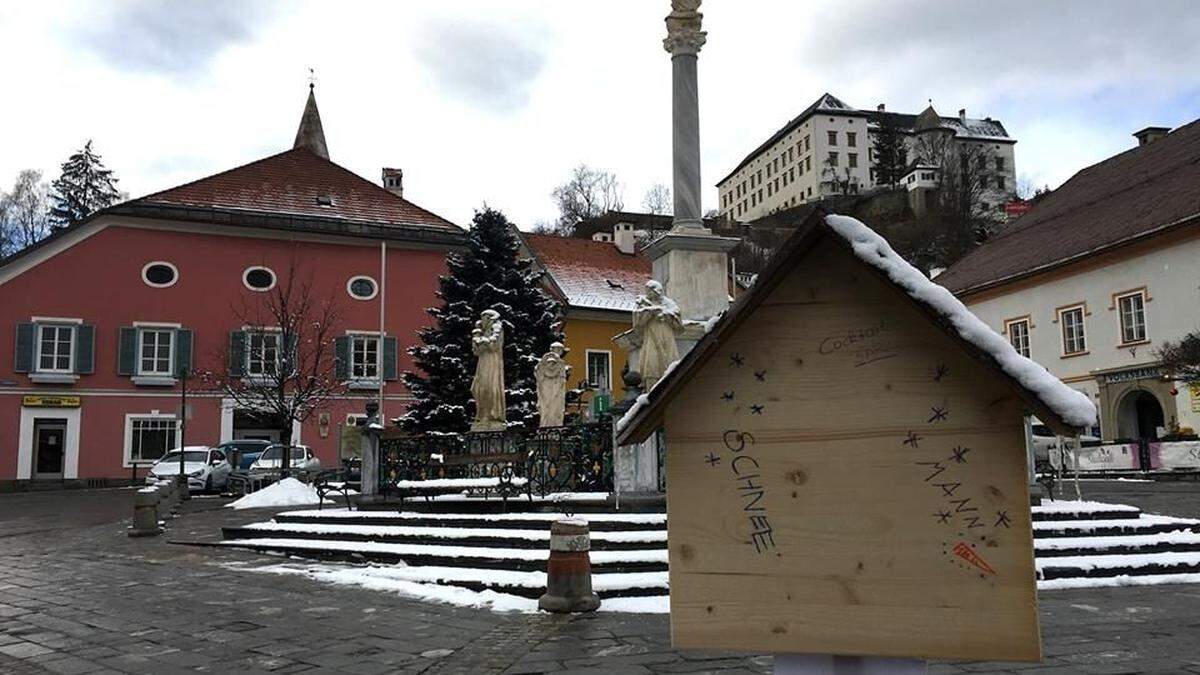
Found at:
<point>310,135</point>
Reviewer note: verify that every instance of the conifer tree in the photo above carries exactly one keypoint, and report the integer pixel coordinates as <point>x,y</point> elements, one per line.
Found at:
<point>487,275</point>
<point>84,187</point>
<point>891,152</point>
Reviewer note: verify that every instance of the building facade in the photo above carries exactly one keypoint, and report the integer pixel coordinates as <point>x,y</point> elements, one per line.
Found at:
<point>101,319</point>
<point>1096,276</point>
<point>828,149</point>
<point>597,282</point>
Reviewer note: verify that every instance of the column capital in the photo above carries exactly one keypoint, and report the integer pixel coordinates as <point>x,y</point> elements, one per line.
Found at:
<point>683,28</point>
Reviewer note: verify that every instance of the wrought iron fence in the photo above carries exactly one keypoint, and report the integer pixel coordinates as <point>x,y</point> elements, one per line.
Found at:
<point>576,458</point>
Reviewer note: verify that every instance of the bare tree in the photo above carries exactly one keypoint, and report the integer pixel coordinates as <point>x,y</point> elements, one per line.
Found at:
<point>967,208</point>
<point>657,200</point>
<point>588,193</point>
<point>23,212</point>
<point>283,361</point>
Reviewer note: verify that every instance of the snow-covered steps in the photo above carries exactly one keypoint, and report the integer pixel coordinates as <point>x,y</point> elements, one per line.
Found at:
<point>1139,564</point>
<point>1141,525</point>
<point>1177,541</point>
<point>597,522</point>
<point>482,534</point>
<point>1083,510</point>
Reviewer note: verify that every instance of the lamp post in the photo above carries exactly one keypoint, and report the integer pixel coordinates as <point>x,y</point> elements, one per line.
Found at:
<point>184,493</point>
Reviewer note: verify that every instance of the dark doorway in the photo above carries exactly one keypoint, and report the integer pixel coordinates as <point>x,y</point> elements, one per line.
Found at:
<point>49,448</point>
<point>1149,415</point>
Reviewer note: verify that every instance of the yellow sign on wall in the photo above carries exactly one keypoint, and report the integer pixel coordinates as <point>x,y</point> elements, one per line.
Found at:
<point>1195,390</point>
<point>50,401</point>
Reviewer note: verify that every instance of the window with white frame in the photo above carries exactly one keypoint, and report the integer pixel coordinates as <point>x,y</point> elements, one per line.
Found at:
<point>56,348</point>
<point>262,353</point>
<point>364,357</point>
<point>1132,308</point>
<point>1018,335</point>
<point>1072,330</point>
<point>154,351</point>
<point>599,370</point>
<point>151,436</point>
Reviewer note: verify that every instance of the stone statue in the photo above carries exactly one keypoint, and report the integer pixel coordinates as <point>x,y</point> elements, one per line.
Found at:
<point>656,321</point>
<point>487,342</point>
<point>551,373</point>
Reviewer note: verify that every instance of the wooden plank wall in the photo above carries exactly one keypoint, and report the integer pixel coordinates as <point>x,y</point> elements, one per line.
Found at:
<point>843,478</point>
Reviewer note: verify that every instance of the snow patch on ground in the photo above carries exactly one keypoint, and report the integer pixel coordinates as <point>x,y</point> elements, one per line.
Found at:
<point>1122,580</point>
<point>287,492</point>
<point>1072,406</point>
<point>342,513</point>
<point>623,536</point>
<point>1068,506</point>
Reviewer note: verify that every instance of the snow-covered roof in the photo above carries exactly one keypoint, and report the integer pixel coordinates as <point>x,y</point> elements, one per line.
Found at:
<point>1051,399</point>
<point>591,274</point>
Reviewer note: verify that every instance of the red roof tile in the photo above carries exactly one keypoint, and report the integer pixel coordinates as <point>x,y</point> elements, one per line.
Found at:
<point>290,183</point>
<point>592,274</point>
<point>1135,194</point>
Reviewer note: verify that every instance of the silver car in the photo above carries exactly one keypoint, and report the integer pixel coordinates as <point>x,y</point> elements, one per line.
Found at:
<point>302,459</point>
<point>207,468</point>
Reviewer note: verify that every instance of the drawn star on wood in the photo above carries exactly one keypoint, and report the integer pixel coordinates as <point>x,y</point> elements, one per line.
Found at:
<point>736,360</point>
<point>960,454</point>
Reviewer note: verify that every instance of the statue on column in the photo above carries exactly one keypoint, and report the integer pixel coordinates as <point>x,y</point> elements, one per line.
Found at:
<point>657,322</point>
<point>551,373</point>
<point>487,343</point>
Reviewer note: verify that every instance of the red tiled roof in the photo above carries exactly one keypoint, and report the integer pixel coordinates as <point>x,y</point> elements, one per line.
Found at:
<point>290,183</point>
<point>1133,195</point>
<point>592,274</point>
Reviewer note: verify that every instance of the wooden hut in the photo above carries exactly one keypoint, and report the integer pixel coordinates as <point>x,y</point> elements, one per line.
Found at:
<point>846,464</point>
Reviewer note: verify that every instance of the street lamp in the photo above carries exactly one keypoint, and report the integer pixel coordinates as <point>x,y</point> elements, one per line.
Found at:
<point>185,494</point>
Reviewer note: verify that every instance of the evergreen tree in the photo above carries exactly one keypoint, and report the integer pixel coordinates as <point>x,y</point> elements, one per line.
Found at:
<point>488,275</point>
<point>891,152</point>
<point>84,187</point>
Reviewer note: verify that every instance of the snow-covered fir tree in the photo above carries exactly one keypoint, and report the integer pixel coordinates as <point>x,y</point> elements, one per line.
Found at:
<point>84,187</point>
<point>487,275</point>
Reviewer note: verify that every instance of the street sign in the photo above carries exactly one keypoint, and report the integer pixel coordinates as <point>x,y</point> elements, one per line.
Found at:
<point>43,401</point>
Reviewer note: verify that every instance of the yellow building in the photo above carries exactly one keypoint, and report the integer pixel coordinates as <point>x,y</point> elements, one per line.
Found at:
<point>597,285</point>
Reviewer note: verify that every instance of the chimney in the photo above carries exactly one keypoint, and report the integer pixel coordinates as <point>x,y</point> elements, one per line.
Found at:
<point>962,115</point>
<point>393,181</point>
<point>880,108</point>
<point>1150,134</point>
<point>623,238</point>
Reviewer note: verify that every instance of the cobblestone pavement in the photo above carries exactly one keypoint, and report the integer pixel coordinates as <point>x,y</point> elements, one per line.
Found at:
<point>78,596</point>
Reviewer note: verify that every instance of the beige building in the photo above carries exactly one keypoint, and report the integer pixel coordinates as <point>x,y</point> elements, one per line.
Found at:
<point>828,149</point>
<point>1098,275</point>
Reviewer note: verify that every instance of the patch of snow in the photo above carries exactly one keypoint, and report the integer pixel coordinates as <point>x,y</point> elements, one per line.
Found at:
<point>342,513</point>
<point>1101,543</point>
<point>653,604</point>
<point>453,595</point>
<point>1101,562</point>
<point>1084,525</point>
<point>464,483</point>
<point>1120,580</point>
<point>1066,506</point>
<point>287,492</point>
<point>597,557</point>
<point>632,536</point>
<point>1072,406</point>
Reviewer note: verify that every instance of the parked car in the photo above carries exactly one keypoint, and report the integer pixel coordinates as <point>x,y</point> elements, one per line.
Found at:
<point>206,468</point>
<point>302,459</point>
<point>243,452</point>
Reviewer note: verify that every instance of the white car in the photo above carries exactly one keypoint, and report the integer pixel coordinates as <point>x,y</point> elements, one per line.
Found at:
<point>207,469</point>
<point>302,459</point>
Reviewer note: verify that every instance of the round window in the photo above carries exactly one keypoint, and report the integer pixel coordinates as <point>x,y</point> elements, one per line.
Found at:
<point>160,274</point>
<point>362,288</point>
<point>259,279</point>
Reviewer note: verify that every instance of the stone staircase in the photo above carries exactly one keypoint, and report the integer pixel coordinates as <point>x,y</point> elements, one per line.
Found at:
<point>1076,544</point>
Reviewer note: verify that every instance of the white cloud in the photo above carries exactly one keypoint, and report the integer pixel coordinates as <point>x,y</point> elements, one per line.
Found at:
<point>482,101</point>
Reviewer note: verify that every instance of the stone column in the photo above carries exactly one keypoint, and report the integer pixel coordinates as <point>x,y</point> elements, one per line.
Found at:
<point>372,430</point>
<point>684,40</point>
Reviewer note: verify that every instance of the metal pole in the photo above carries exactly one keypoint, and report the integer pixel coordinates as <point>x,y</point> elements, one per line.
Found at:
<point>382,334</point>
<point>183,486</point>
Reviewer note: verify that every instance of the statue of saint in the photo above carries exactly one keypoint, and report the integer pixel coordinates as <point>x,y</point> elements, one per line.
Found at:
<point>656,321</point>
<point>551,373</point>
<point>487,342</point>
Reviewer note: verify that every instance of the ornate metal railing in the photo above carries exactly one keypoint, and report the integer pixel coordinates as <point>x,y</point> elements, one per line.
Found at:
<point>576,458</point>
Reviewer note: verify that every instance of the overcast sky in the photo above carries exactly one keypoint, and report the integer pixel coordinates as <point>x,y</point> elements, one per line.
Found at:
<point>495,102</point>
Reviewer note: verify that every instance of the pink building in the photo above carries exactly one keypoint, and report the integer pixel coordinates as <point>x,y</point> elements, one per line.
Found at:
<point>98,319</point>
